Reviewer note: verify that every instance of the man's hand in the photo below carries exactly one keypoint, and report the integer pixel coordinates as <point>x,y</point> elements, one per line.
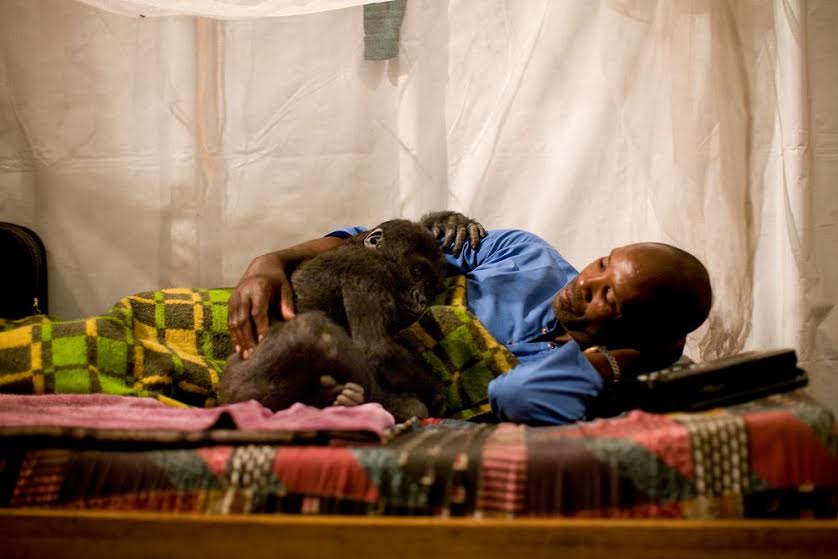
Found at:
<point>632,362</point>
<point>453,227</point>
<point>629,362</point>
<point>264,283</point>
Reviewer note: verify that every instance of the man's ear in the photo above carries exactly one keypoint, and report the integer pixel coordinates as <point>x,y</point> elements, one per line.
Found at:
<point>374,238</point>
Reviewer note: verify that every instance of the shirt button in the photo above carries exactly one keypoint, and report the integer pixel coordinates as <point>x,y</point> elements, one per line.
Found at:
<point>510,342</point>
<point>551,345</point>
<point>545,331</point>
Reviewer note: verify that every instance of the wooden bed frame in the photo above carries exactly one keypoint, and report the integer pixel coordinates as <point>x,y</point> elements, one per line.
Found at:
<point>52,533</point>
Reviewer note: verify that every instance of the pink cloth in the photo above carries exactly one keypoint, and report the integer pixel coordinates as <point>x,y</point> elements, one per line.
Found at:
<point>100,411</point>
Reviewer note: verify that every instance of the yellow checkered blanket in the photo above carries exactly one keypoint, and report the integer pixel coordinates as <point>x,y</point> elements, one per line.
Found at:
<point>172,344</point>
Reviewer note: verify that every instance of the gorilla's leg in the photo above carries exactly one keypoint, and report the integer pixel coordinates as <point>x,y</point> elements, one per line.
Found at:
<point>404,406</point>
<point>347,395</point>
<point>287,366</point>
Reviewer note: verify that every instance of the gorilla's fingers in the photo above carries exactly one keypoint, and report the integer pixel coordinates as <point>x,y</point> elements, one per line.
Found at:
<point>459,241</point>
<point>329,389</point>
<point>475,233</point>
<point>351,395</point>
<point>449,237</point>
<point>328,381</point>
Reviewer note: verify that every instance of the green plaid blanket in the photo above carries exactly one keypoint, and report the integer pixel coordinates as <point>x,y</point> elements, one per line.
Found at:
<point>459,349</point>
<point>172,344</point>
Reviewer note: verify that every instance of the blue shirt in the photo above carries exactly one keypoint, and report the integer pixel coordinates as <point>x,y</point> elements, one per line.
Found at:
<point>511,280</point>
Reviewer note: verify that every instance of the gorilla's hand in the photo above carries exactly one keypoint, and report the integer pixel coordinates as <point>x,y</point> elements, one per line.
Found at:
<point>248,318</point>
<point>453,227</point>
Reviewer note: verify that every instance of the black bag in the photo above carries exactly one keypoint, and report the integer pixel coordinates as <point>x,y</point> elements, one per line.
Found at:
<point>23,282</point>
<point>699,386</point>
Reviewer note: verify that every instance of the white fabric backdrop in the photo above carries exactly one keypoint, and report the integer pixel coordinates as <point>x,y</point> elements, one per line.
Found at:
<point>153,152</point>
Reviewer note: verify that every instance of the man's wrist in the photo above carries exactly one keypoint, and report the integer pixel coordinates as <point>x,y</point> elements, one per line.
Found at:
<point>629,362</point>
<point>604,362</point>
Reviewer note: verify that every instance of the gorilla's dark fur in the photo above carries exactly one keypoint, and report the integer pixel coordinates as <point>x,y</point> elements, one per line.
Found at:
<point>351,302</point>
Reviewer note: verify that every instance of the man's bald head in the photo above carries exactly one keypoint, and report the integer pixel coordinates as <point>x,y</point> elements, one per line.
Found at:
<point>674,295</point>
<point>644,295</point>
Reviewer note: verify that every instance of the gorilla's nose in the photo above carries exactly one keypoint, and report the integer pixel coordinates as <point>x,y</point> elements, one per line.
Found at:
<point>419,299</point>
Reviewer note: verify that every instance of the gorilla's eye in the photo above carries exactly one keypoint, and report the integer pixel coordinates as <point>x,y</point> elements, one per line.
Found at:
<point>417,271</point>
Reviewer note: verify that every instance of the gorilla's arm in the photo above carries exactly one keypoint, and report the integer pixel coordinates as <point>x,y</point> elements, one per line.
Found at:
<point>403,382</point>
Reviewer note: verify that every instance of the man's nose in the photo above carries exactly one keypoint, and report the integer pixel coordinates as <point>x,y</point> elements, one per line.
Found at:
<point>589,285</point>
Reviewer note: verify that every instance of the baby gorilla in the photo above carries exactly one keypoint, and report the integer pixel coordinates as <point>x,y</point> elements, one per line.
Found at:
<point>351,303</point>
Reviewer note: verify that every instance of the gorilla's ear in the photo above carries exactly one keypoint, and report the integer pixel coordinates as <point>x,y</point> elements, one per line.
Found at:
<point>374,238</point>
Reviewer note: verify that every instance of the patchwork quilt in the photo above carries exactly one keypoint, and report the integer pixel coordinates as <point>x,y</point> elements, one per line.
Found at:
<point>776,457</point>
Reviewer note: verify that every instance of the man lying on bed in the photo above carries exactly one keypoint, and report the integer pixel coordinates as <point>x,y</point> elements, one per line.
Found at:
<point>571,331</point>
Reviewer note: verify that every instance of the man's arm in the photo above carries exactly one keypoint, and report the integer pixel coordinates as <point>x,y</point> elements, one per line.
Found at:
<point>265,281</point>
<point>553,388</point>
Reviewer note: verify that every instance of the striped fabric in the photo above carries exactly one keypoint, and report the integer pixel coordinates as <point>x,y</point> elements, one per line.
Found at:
<point>504,480</point>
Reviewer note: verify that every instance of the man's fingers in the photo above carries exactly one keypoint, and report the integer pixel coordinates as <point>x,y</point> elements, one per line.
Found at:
<point>232,326</point>
<point>261,322</point>
<point>240,326</point>
<point>286,301</point>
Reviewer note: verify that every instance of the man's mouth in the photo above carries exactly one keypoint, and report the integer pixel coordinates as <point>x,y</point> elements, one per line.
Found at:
<point>569,299</point>
<point>564,297</point>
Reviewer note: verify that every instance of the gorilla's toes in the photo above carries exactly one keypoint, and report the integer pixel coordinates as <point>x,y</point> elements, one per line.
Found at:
<point>351,395</point>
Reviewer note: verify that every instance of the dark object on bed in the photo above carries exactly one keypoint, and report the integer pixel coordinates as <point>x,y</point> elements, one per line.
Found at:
<point>700,386</point>
<point>23,284</point>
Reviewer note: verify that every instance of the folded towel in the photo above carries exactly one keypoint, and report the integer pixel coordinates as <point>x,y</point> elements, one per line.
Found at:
<point>102,411</point>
